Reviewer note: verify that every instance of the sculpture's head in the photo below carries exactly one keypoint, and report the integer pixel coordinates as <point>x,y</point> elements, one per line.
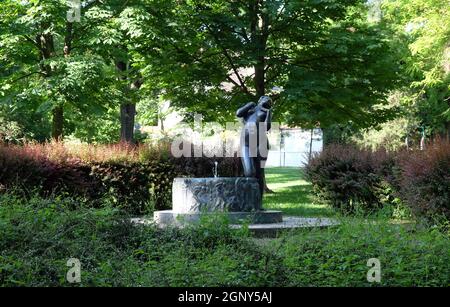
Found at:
<point>265,102</point>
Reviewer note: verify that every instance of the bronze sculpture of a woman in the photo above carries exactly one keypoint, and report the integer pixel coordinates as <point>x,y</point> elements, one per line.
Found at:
<point>254,144</point>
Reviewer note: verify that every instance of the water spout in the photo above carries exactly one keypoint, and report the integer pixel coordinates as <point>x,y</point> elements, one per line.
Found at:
<point>215,169</point>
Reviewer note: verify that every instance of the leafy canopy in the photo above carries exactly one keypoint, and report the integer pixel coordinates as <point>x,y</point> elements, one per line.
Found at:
<point>330,61</point>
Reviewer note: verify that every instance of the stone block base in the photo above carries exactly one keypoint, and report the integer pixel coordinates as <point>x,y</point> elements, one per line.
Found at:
<point>222,194</point>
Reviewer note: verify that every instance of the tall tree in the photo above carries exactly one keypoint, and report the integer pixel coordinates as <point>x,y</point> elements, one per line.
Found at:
<point>331,62</point>
<point>210,57</point>
<point>54,65</point>
<point>424,27</point>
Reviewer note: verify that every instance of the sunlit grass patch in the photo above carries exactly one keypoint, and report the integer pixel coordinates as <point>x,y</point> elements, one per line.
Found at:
<point>293,194</point>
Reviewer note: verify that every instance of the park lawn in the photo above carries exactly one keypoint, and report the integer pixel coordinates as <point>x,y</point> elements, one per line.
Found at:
<point>293,194</point>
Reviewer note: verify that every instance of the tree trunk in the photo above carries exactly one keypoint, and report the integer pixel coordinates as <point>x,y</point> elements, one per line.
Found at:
<point>47,49</point>
<point>447,131</point>
<point>260,87</point>
<point>260,91</point>
<point>57,123</point>
<point>260,29</point>
<point>259,78</point>
<point>127,109</point>
<point>260,32</point>
<point>127,117</point>
<point>68,39</point>
<point>332,135</point>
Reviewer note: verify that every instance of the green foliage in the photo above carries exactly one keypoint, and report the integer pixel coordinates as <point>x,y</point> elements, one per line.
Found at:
<point>423,36</point>
<point>38,238</point>
<point>393,134</point>
<point>333,66</point>
<point>47,62</point>
<point>423,26</point>
<point>40,235</point>
<point>338,257</point>
<point>10,132</point>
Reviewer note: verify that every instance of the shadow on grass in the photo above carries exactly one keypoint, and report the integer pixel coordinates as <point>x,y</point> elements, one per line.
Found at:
<point>293,194</point>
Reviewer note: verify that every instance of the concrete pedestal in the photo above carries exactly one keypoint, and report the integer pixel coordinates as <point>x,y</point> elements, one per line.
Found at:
<point>238,198</point>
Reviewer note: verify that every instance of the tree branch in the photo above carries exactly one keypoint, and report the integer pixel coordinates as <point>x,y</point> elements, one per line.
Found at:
<point>228,57</point>
<point>26,76</point>
<point>33,42</point>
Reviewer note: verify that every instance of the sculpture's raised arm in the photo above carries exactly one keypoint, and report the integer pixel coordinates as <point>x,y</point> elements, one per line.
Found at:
<point>242,111</point>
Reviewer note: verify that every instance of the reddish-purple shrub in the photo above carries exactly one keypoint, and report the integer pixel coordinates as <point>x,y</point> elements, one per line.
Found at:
<point>349,178</point>
<point>131,177</point>
<point>425,180</point>
<point>32,170</point>
<point>346,177</point>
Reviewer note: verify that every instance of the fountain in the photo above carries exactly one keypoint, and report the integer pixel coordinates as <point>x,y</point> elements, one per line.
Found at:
<point>216,169</point>
<point>237,198</point>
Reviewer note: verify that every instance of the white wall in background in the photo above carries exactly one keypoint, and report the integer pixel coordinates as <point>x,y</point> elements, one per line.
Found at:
<point>291,147</point>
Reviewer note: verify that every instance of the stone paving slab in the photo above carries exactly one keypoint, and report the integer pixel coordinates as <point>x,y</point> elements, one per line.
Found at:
<point>272,229</point>
<point>170,217</point>
<point>289,222</point>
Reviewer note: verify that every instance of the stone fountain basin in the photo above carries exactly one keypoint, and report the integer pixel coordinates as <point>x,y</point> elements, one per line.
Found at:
<point>238,198</point>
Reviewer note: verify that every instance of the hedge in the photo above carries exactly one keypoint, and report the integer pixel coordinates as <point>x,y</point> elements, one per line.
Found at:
<point>136,179</point>
<point>424,181</point>
<point>353,179</point>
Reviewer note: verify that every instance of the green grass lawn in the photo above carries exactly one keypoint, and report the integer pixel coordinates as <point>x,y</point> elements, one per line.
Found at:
<point>293,194</point>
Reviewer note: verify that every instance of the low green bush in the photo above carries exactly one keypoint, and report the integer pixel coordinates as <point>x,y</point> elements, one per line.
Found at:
<point>408,255</point>
<point>40,235</point>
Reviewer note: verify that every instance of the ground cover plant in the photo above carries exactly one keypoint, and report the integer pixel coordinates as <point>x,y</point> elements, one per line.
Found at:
<point>91,93</point>
<point>39,235</point>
